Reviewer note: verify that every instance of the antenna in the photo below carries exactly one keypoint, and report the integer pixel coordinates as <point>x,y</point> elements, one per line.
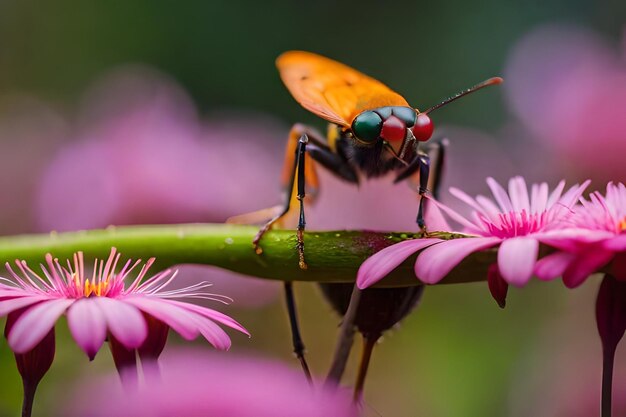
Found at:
<point>486,83</point>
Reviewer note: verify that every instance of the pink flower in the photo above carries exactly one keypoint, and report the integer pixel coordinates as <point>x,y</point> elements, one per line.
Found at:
<point>597,238</point>
<point>567,85</point>
<point>198,383</point>
<point>516,222</point>
<point>139,141</point>
<point>134,316</point>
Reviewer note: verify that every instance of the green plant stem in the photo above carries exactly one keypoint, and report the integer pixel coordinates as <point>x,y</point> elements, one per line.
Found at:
<point>332,256</point>
<point>608,359</point>
<point>29,397</point>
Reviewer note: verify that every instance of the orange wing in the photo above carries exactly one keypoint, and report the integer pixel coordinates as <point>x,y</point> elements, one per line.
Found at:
<point>331,90</point>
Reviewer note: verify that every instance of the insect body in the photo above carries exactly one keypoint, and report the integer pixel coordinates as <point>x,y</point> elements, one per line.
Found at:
<point>372,131</point>
<point>375,128</point>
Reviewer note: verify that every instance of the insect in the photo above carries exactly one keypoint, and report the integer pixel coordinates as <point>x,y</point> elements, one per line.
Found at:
<point>372,131</point>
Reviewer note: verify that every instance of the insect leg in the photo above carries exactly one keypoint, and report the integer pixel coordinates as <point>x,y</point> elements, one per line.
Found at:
<point>411,169</point>
<point>294,174</point>
<point>369,341</point>
<point>313,151</point>
<point>291,152</point>
<point>330,160</point>
<point>301,194</point>
<point>371,311</point>
<point>424,170</point>
<point>336,163</point>
<point>430,175</point>
<point>297,174</point>
<point>339,167</point>
<point>298,344</point>
<point>285,209</point>
<point>428,166</point>
<point>437,152</point>
<point>288,178</point>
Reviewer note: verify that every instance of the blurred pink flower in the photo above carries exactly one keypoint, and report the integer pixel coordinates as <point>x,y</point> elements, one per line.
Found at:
<point>474,155</point>
<point>516,222</point>
<point>140,154</point>
<point>198,383</point>
<point>568,87</point>
<point>597,238</point>
<point>103,305</point>
<point>139,142</point>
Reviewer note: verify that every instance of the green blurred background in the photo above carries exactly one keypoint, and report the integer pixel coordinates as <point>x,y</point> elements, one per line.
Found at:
<point>458,355</point>
<point>223,52</point>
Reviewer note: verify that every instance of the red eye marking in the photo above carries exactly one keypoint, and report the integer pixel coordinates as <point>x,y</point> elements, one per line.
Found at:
<point>423,128</point>
<point>394,129</point>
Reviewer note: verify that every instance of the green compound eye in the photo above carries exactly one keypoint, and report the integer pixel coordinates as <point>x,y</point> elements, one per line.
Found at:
<point>367,126</point>
<point>406,114</point>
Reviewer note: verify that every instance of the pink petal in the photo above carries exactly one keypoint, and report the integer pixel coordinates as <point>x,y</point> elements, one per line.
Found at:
<point>179,319</point>
<point>35,323</point>
<point>461,195</point>
<point>434,218</point>
<point>573,239</point>
<point>202,318</point>
<point>87,325</point>
<point>488,208</point>
<point>553,265</point>
<point>453,214</point>
<point>11,292</point>
<point>573,194</point>
<point>12,304</point>
<point>436,262</point>
<point>538,198</point>
<point>211,314</point>
<point>500,195</point>
<point>377,266</point>
<point>516,259</point>
<point>213,333</point>
<point>518,191</point>
<point>617,244</point>
<point>555,195</point>
<point>124,321</point>
<point>584,265</point>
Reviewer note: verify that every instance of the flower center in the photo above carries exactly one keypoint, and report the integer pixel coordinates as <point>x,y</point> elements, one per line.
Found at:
<point>621,226</point>
<point>514,223</point>
<point>93,287</point>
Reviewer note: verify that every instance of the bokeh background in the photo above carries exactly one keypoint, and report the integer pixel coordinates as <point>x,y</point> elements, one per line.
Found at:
<point>125,112</point>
